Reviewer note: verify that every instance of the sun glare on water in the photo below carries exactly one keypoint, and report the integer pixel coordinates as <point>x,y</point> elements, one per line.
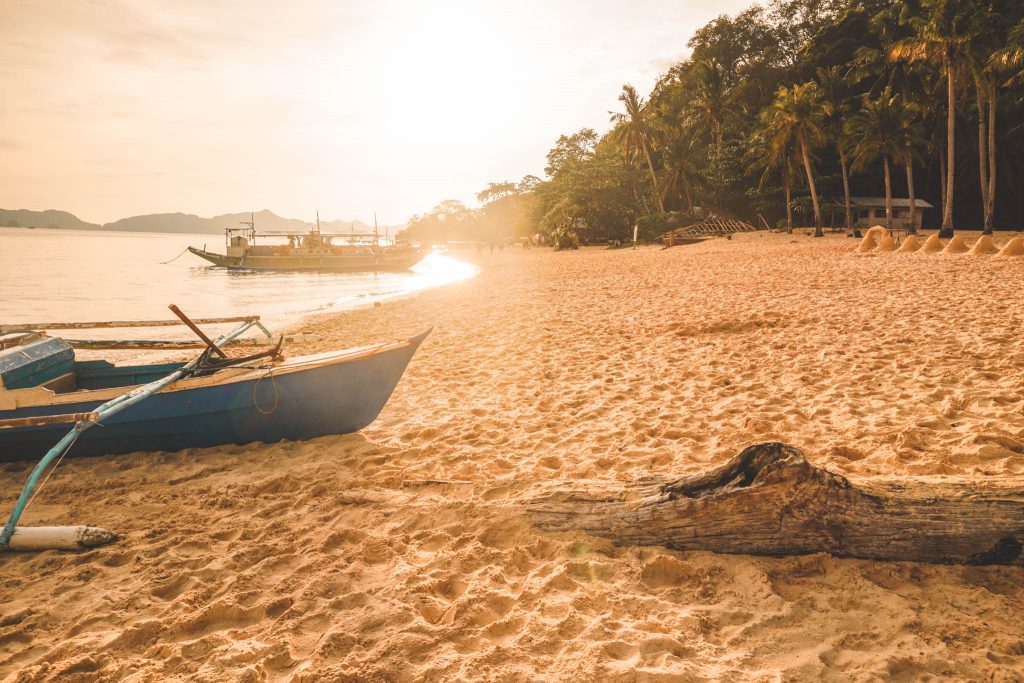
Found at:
<point>439,269</point>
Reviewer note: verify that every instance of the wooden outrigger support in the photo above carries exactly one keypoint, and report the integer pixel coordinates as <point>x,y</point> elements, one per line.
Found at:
<point>40,420</point>
<point>29,327</point>
<point>71,538</point>
<point>59,538</point>
<point>142,344</point>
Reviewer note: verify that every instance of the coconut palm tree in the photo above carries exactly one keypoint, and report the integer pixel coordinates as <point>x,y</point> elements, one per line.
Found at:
<point>1011,56</point>
<point>880,130</point>
<point>635,133</point>
<point>943,35</point>
<point>794,121</point>
<point>775,159</point>
<point>913,140</point>
<point>835,100</point>
<point>680,162</point>
<point>709,98</point>
<point>998,59</point>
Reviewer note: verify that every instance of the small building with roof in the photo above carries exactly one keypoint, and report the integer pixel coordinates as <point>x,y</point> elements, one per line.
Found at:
<point>868,211</point>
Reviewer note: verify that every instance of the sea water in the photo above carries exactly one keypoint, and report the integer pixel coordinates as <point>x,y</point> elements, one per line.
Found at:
<point>83,275</point>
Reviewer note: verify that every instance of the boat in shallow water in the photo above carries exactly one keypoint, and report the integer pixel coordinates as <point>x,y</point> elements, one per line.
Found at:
<point>337,392</point>
<point>312,250</point>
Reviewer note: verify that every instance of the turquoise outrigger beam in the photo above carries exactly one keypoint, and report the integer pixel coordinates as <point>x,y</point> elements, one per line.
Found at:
<point>108,409</point>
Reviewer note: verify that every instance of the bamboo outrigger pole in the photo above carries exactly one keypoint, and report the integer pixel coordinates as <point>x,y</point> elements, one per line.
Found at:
<point>31,327</point>
<point>28,538</point>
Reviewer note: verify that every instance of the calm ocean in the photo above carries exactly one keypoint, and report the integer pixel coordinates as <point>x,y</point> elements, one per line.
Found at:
<point>81,275</point>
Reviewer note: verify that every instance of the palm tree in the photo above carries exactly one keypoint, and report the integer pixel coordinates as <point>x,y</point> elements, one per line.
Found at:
<point>679,160</point>
<point>636,134</point>
<point>998,58</point>
<point>775,159</point>
<point>1011,56</point>
<point>943,35</point>
<point>709,98</point>
<point>879,129</point>
<point>832,84</point>
<point>794,120</point>
<point>912,139</point>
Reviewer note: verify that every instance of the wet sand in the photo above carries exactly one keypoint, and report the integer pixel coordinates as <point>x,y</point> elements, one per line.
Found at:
<point>398,553</point>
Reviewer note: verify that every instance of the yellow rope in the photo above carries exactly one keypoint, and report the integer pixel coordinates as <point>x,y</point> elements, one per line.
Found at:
<point>255,401</point>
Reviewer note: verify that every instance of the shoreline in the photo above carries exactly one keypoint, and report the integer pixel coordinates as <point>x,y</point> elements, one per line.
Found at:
<point>366,556</point>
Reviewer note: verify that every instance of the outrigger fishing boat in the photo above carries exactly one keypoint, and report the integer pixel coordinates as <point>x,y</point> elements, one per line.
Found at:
<point>312,250</point>
<point>212,400</point>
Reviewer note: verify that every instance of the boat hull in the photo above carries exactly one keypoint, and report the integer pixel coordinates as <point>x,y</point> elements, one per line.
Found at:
<point>327,263</point>
<point>297,400</point>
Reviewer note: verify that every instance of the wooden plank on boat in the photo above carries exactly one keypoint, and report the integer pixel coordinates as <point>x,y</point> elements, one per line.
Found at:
<point>156,344</point>
<point>41,420</point>
<point>27,327</point>
<point>17,339</point>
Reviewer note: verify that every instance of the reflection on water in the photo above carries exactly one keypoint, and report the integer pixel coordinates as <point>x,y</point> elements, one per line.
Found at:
<point>73,275</point>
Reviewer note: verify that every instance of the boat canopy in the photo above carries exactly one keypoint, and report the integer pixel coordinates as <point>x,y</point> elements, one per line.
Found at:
<point>300,233</point>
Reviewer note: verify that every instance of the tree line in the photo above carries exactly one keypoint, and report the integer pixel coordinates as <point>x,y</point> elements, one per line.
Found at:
<point>780,114</point>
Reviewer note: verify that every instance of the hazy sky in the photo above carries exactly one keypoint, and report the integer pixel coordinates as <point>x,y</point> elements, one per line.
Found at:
<point>111,109</point>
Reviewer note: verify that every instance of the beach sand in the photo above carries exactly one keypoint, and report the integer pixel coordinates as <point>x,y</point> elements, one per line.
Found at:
<point>350,558</point>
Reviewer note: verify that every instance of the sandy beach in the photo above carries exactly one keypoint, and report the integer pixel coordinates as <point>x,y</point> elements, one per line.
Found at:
<point>399,553</point>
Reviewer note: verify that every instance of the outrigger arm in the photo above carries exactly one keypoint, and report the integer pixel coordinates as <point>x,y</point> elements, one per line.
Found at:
<point>9,537</point>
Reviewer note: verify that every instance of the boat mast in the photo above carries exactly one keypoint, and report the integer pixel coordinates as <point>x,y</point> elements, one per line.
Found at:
<point>252,230</point>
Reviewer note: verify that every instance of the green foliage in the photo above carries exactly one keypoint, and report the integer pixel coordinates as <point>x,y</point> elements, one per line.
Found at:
<point>559,225</point>
<point>653,226</point>
<point>563,239</point>
<point>507,210</point>
<point>774,108</point>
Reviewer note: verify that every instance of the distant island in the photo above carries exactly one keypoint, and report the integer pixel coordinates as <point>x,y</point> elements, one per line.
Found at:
<point>169,222</point>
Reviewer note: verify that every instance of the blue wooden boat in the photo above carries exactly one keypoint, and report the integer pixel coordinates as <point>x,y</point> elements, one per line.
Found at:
<point>337,392</point>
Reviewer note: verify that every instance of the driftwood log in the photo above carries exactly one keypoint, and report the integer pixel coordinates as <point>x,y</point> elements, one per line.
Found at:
<point>769,500</point>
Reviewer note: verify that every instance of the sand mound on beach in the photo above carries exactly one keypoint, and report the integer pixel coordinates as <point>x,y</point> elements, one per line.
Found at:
<point>871,238</point>
<point>877,231</point>
<point>867,244</point>
<point>398,554</point>
<point>984,245</point>
<point>956,245</point>
<point>887,244</point>
<point>932,245</point>
<point>1014,247</point>
<point>911,244</point>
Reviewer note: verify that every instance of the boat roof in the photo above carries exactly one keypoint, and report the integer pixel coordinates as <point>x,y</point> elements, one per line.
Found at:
<point>303,233</point>
<point>897,202</point>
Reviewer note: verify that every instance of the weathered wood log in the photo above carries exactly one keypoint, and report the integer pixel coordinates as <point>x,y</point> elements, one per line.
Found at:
<point>769,500</point>
<point>59,538</point>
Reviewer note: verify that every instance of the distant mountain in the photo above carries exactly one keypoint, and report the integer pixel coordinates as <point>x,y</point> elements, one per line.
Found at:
<point>164,222</point>
<point>23,218</point>
<point>169,222</point>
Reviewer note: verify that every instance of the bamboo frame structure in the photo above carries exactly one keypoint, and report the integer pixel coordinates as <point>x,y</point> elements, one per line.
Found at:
<point>713,226</point>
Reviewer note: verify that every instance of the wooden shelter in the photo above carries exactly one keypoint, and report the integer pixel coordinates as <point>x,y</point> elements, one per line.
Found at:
<point>870,211</point>
<point>712,226</point>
